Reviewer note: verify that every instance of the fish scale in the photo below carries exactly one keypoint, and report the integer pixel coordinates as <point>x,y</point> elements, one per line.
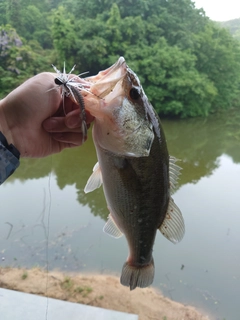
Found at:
<point>134,168</point>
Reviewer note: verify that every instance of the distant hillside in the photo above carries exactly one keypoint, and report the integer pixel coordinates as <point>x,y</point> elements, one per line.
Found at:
<point>233,26</point>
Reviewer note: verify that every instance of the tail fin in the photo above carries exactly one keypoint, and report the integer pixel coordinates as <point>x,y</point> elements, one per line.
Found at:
<point>137,277</point>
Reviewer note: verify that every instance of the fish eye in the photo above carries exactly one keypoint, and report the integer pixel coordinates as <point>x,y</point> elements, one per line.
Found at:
<point>134,93</point>
<point>58,81</point>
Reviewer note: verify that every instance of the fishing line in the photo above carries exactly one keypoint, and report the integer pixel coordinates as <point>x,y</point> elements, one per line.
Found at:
<point>47,230</point>
<point>47,241</point>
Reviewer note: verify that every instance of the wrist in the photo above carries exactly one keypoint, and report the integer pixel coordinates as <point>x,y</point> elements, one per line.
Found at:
<point>13,151</point>
<point>4,126</point>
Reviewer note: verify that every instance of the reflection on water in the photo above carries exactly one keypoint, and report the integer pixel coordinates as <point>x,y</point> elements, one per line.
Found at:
<point>46,219</point>
<point>200,142</point>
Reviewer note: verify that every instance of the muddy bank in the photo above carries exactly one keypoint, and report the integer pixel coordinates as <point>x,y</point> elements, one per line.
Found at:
<point>97,290</point>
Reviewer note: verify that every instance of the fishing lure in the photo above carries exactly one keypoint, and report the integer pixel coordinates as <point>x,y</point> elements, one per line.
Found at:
<point>72,88</point>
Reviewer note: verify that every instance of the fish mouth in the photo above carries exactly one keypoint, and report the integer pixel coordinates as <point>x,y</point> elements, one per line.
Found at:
<point>105,81</point>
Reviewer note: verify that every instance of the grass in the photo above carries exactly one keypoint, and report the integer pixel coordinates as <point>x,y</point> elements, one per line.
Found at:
<point>24,275</point>
<point>68,285</point>
<point>83,290</point>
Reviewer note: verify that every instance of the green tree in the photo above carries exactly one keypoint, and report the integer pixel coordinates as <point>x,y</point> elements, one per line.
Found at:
<point>218,57</point>
<point>3,12</point>
<point>171,80</point>
<point>63,34</point>
<point>13,13</point>
<point>188,65</point>
<point>36,26</point>
<point>18,61</point>
<point>114,35</point>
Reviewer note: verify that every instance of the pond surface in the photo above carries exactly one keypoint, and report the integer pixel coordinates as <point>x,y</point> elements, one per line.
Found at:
<point>46,219</point>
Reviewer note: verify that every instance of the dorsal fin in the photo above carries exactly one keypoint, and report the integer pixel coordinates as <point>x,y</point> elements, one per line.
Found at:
<point>173,227</point>
<point>95,180</point>
<point>174,172</point>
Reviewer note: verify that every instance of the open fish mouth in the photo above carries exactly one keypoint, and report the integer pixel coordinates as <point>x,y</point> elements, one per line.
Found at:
<point>105,81</point>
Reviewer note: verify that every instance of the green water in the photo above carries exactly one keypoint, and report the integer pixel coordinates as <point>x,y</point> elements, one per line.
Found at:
<point>46,219</point>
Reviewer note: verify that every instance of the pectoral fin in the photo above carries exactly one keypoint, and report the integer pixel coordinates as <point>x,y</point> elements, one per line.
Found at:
<point>173,227</point>
<point>112,229</point>
<point>95,180</point>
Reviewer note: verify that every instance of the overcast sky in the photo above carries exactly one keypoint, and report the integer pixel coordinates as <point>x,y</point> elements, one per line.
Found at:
<point>220,10</point>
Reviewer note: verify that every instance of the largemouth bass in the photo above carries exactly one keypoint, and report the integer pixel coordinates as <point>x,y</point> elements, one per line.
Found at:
<point>134,168</point>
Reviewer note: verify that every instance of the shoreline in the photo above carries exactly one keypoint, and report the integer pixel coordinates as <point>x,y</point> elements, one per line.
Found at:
<point>102,291</point>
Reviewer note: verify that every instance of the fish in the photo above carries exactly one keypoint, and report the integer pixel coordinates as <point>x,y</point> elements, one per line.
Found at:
<point>137,174</point>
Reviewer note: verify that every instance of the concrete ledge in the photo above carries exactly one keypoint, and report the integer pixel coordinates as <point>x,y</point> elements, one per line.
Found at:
<point>16,305</point>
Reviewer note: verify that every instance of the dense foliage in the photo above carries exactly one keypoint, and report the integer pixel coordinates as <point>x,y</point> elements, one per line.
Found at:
<point>188,65</point>
<point>233,26</point>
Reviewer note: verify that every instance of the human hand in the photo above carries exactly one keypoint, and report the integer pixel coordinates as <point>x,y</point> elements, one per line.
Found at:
<point>33,120</point>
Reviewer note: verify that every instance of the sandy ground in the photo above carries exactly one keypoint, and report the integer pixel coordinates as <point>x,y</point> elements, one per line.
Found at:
<point>97,290</point>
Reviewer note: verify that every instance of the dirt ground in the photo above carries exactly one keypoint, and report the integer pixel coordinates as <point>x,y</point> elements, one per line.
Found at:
<point>97,290</point>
